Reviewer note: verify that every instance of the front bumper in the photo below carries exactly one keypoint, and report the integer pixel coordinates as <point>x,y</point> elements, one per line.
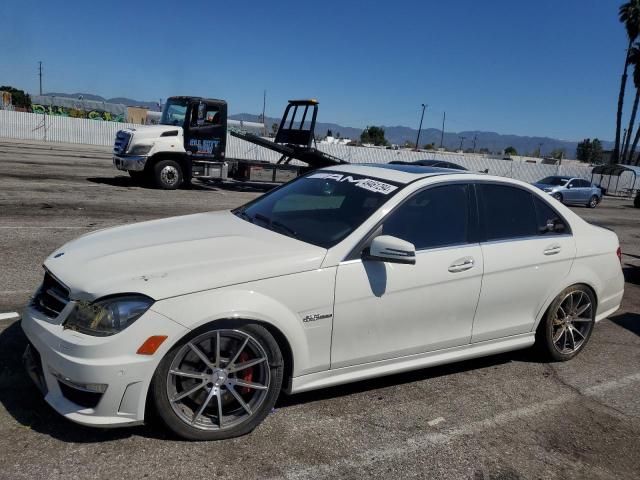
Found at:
<point>134,163</point>
<point>63,362</point>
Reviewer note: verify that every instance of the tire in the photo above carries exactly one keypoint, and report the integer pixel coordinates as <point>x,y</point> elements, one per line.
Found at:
<point>168,174</point>
<point>555,338</point>
<point>593,202</point>
<point>218,390</point>
<point>636,201</point>
<point>557,196</point>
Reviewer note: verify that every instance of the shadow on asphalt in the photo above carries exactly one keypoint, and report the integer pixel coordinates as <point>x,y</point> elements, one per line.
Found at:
<point>628,320</point>
<point>631,274</point>
<point>24,402</point>
<point>128,182</point>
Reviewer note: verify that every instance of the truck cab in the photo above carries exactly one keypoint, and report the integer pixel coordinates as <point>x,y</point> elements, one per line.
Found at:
<point>191,133</point>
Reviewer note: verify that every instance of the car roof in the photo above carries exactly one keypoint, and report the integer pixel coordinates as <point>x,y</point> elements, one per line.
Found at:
<point>399,173</point>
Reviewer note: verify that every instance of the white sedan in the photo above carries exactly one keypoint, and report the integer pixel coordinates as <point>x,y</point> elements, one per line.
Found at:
<point>342,275</point>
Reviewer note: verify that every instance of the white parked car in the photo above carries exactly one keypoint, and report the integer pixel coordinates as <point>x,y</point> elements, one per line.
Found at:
<point>341,275</point>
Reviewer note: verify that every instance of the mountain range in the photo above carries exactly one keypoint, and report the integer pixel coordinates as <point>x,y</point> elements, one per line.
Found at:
<point>492,141</point>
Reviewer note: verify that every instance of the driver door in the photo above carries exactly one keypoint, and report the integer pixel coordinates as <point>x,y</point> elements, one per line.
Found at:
<point>388,310</point>
<point>206,135</point>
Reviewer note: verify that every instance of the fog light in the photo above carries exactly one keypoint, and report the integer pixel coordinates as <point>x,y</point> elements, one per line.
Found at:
<point>87,387</point>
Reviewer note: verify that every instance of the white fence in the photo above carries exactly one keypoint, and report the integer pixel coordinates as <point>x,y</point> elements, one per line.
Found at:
<point>31,126</point>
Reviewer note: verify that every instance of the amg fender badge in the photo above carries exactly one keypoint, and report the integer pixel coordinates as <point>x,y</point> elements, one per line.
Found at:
<point>316,316</point>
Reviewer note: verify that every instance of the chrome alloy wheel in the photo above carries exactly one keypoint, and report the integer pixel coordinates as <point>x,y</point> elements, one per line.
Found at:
<point>169,175</point>
<point>218,380</point>
<point>572,322</point>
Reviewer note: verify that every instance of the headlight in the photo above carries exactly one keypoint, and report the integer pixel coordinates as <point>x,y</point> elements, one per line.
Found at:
<point>139,149</point>
<point>109,316</point>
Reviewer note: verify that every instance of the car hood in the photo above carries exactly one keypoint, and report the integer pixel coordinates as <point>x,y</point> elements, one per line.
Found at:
<point>153,131</point>
<point>176,256</point>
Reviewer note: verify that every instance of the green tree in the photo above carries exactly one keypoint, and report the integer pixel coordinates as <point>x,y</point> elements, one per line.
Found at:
<point>374,135</point>
<point>510,151</point>
<point>589,151</point>
<point>429,146</point>
<point>558,153</point>
<point>629,15</point>
<point>274,128</point>
<point>19,98</point>
<point>329,133</point>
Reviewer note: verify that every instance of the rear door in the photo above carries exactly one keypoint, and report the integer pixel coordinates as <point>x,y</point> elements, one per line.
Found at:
<point>528,249</point>
<point>206,134</point>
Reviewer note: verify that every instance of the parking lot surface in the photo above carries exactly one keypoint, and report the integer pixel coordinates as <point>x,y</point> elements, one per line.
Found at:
<point>508,416</point>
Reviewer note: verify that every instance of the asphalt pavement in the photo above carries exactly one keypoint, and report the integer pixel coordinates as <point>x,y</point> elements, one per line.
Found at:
<point>509,416</point>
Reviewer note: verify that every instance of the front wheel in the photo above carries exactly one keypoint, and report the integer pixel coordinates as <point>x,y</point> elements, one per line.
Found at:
<point>566,327</point>
<point>557,196</point>
<point>168,174</point>
<point>593,202</point>
<point>219,383</point>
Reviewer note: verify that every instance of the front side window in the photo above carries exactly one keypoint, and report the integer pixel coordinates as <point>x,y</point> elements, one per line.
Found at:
<point>321,208</point>
<point>205,115</point>
<point>174,112</point>
<point>435,217</point>
<point>508,212</point>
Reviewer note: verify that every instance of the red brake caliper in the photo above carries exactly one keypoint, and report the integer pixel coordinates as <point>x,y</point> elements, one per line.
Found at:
<point>247,373</point>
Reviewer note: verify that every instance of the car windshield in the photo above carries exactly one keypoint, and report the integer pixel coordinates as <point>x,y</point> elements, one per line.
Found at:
<point>561,181</point>
<point>321,208</point>
<point>174,112</point>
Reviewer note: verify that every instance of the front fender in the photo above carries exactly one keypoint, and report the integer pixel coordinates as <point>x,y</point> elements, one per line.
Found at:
<point>276,302</point>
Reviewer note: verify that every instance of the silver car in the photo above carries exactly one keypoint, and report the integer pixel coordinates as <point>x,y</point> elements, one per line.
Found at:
<point>575,191</point>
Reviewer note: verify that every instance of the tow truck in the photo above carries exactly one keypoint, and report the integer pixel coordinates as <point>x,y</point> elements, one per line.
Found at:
<point>190,143</point>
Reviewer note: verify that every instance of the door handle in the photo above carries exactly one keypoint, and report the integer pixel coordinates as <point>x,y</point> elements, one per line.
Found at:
<point>552,250</point>
<point>461,265</point>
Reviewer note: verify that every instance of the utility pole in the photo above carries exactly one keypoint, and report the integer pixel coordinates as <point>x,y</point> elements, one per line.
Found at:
<point>461,142</point>
<point>420,127</point>
<point>264,106</point>
<point>40,75</point>
<point>444,116</point>
<point>540,149</point>
<point>475,138</point>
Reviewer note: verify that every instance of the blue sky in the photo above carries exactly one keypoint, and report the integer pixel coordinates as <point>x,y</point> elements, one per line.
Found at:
<point>547,67</point>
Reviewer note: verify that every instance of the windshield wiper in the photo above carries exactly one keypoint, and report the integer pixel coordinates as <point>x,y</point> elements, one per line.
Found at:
<point>275,223</point>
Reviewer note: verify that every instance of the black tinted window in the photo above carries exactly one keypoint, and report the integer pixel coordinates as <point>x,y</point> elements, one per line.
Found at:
<point>549,222</point>
<point>584,184</point>
<point>508,212</point>
<point>432,218</point>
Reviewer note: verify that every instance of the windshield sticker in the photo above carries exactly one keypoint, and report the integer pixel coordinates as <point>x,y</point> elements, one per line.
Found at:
<point>367,183</point>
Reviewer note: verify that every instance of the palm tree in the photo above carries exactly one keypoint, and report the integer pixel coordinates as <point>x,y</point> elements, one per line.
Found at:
<point>634,59</point>
<point>629,14</point>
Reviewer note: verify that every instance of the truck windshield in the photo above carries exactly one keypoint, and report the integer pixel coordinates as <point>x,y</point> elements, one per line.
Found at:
<point>174,112</point>
<point>321,208</point>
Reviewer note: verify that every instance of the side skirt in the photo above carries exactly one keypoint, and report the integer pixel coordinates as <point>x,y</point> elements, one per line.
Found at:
<point>380,368</point>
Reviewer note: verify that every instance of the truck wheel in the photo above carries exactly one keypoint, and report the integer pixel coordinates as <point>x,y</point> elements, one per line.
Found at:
<point>168,174</point>
<point>636,201</point>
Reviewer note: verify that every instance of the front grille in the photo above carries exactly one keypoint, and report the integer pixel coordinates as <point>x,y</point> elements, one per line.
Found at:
<point>79,397</point>
<point>52,297</point>
<point>122,142</point>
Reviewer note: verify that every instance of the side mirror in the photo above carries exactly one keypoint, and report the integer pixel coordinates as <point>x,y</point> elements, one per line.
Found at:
<point>386,248</point>
<point>569,186</point>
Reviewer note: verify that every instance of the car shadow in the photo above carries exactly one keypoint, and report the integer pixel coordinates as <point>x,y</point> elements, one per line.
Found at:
<point>24,402</point>
<point>119,181</point>
<point>628,320</point>
<point>528,356</point>
<point>631,274</point>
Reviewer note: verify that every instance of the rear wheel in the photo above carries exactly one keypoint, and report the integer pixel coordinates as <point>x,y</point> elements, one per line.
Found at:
<point>168,174</point>
<point>593,202</point>
<point>219,383</point>
<point>566,327</point>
